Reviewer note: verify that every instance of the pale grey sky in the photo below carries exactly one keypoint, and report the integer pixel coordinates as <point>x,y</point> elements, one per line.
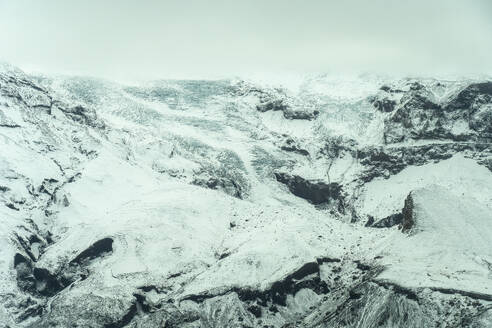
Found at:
<point>210,38</point>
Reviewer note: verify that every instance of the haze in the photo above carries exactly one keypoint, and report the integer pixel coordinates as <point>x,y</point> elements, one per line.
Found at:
<point>209,39</point>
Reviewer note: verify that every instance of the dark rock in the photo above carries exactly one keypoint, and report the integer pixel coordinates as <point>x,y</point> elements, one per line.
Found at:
<point>389,221</point>
<point>469,96</point>
<point>223,255</point>
<point>384,105</point>
<point>31,312</point>
<point>413,117</point>
<point>82,115</point>
<point>40,281</point>
<point>98,249</point>
<point>47,284</point>
<point>126,319</point>
<point>270,102</point>
<point>19,258</point>
<point>229,176</point>
<point>292,146</point>
<point>385,88</point>
<point>226,184</point>
<point>362,266</point>
<point>408,220</point>
<point>255,310</point>
<point>322,260</point>
<point>370,221</point>
<point>48,186</point>
<point>353,295</point>
<point>416,115</point>
<point>25,242</point>
<point>272,105</point>
<point>12,206</point>
<point>316,192</point>
<point>307,276</point>
<point>301,115</point>
<point>382,162</point>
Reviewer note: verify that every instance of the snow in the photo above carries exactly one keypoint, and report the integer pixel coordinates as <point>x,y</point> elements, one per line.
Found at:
<point>450,247</point>
<point>460,175</point>
<point>132,182</point>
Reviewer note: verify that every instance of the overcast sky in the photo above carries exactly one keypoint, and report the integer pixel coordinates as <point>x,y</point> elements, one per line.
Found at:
<point>122,39</point>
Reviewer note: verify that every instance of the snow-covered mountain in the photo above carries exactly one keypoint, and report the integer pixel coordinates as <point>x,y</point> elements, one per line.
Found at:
<point>343,202</point>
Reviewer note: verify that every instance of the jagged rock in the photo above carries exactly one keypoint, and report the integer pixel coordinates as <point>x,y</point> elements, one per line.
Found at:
<point>26,92</point>
<point>417,115</point>
<point>384,105</point>
<point>281,104</point>
<point>387,222</point>
<point>273,105</point>
<point>232,185</point>
<point>301,115</point>
<point>276,100</point>
<point>471,97</point>
<point>82,115</point>
<point>408,220</point>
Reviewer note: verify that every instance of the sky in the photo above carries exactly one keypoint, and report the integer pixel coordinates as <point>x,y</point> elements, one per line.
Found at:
<point>124,39</point>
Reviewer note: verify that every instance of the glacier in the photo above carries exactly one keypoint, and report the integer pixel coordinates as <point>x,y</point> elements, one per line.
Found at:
<point>360,201</point>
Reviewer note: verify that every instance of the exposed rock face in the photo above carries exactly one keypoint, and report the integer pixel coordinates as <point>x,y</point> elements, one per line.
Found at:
<point>277,100</point>
<point>227,174</point>
<point>40,281</point>
<point>226,184</point>
<point>387,222</point>
<point>193,204</point>
<point>25,91</point>
<point>408,220</point>
<point>316,192</point>
<point>282,105</point>
<point>384,105</point>
<point>82,115</point>
<point>418,115</point>
<point>471,97</point>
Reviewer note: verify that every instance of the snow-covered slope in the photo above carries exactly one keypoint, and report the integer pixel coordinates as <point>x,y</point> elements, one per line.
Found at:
<point>347,202</point>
